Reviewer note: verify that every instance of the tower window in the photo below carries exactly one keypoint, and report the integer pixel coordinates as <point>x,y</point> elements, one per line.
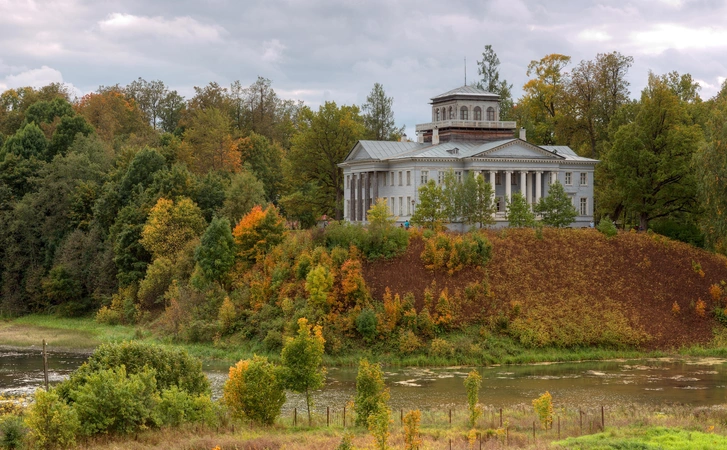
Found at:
<point>451,113</point>
<point>437,114</point>
<point>477,113</point>
<point>463,113</point>
<point>491,114</point>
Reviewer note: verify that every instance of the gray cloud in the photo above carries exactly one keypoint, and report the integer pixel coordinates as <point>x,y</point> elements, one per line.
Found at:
<point>317,50</point>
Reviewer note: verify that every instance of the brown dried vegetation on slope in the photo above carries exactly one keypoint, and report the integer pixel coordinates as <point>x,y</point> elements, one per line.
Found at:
<point>582,274</point>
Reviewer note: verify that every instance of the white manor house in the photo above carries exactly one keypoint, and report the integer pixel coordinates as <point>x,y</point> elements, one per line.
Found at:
<point>465,135</point>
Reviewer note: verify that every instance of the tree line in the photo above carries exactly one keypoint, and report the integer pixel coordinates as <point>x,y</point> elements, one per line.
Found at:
<point>101,192</point>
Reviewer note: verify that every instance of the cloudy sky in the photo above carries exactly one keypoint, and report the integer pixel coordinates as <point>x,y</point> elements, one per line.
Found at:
<point>317,50</point>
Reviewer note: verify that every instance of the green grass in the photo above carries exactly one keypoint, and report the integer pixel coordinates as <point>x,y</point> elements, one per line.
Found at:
<point>651,438</point>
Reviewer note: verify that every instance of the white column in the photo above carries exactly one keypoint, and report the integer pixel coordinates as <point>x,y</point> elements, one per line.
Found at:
<point>508,185</point>
<point>553,176</point>
<point>538,187</point>
<point>528,188</point>
<point>492,185</point>
<point>523,183</point>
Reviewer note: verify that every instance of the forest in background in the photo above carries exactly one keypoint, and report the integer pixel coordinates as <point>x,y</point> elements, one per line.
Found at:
<point>137,201</point>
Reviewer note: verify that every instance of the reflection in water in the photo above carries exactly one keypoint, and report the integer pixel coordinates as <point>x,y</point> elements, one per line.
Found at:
<point>695,382</point>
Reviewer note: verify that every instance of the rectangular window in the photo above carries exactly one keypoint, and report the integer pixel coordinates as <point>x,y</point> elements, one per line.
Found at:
<point>425,177</point>
<point>408,178</point>
<point>568,178</point>
<point>500,204</point>
<point>584,179</point>
<point>408,206</point>
<point>440,176</point>
<point>401,206</point>
<point>458,176</point>
<point>584,206</point>
<point>385,177</point>
<point>391,206</point>
<point>400,178</point>
<point>513,179</point>
<point>498,179</point>
<point>392,179</point>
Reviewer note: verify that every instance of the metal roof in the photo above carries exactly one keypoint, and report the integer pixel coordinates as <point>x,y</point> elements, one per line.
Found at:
<point>566,152</point>
<point>465,90</point>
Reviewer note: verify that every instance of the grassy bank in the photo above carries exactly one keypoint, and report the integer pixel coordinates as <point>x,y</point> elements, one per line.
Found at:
<point>84,334</point>
<point>627,427</point>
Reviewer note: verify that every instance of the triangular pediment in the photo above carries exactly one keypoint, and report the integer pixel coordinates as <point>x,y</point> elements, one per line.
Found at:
<point>358,153</point>
<point>517,149</point>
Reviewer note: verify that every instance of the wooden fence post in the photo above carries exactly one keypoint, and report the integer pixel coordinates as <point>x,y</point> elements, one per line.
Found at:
<point>500,417</point>
<point>401,416</point>
<point>580,412</point>
<point>295,417</point>
<point>450,416</point>
<point>603,420</point>
<point>45,366</point>
<point>328,416</point>
<point>558,427</point>
<point>344,417</point>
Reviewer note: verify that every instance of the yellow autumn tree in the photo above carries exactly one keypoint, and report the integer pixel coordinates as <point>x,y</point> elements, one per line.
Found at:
<point>170,226</point>
<point>258,232</point>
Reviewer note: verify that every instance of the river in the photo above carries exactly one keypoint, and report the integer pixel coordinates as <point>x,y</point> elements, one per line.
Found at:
<point>683,381</point>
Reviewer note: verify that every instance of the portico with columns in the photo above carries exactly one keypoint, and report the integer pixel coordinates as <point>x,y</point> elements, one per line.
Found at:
<point>396,170</point>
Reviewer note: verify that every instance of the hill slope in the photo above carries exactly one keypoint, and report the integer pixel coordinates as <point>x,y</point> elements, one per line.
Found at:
<point>574,282</point>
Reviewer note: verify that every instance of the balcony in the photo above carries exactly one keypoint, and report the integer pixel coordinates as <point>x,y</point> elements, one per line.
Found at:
<point>473,124</point>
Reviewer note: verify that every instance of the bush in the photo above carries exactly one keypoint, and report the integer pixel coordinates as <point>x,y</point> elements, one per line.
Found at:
<point>409,342</point>
<point>366,324</point>
<point>371,393</point>
<point>114,401</point>
<point>52,423</point>
<point>454,252</point>
<point>442,347</point>
<point>177,407</point>
<point>255,390</point>
<point>12,433</point>
<point>543,406</point>
<point>607,227</point>
<point>381,241</point>
<point>173,367</point>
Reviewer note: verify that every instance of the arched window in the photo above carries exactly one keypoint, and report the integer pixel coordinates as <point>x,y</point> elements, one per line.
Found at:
<point>451,113</point>
<point>478,113</point>
<point>463,113</point>
<point>437,114</point>
<point>491,114</point>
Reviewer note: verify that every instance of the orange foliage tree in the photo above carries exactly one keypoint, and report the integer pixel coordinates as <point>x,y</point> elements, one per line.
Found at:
<point>112,114</point>
<point>209,143</point>
<point>258,232</point>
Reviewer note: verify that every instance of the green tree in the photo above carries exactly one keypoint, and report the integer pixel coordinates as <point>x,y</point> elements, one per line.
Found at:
<point>473,383</point>
<point>371,392</point>
<point>378,424</point>
<point>378,116</point>
<point>65,133</point>
<point>649,160</point>
<point>543,97</point>
<point>593,91</point>
<point>244,192</point>
<point>452,196</point>
<point>489,70</point>
<point>150,96</point>
<point>478,207</point>
<point>45,111</point>
<point>53,424</point>
<point>302,359</point>
<point>710,162</point>
<point>318,284</point>
<point>209,144</point>
<point>325,138</point>
<point>216,252</point>
<point>171,112</point>
<point>255,390</point>
<point>264,160</point>
<point>430,211</point>
<point>170,226</point>
<point>556,208</point>
<point>519,213</point>
<point>28,142</point>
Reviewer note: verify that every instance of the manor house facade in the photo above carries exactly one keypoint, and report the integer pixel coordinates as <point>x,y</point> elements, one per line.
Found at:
<point>465,135</point>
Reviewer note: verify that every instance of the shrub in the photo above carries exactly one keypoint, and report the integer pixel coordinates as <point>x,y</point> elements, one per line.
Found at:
<point>173,367</point>
<point>700,307</point>
<point>441,347</point>
<point>255,390</point>
<point>177,407</point>
<point>371,392</point>
<point>227,316</point>
<point>675,309</point>
<point>454,252</point>
<point>52,423</point>
<point>409,342</point>
<point>12,433</point>
<point>607,227</point>
<point>472,383</point>
<point>366,324</point>
<point>412,441</point>
<point>543,406</point>
<point>114,401</point>
<point>716,292</point>
<point>378,423</point>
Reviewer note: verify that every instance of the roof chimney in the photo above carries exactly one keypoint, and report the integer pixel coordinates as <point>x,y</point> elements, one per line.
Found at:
<point>435,136</point>
<point>522,133</point>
